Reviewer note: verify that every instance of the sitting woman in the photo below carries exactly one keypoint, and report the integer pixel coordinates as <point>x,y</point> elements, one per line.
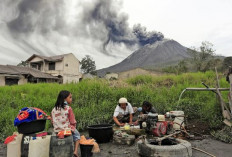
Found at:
<point>63,118</point>
<point>123,113</point>
<point>147,107</point>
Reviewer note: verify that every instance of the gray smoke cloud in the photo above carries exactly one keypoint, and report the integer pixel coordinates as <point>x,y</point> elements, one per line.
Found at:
<point>94,27</point>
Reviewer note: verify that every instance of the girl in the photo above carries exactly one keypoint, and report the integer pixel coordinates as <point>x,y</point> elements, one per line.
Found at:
<point>64,119</point>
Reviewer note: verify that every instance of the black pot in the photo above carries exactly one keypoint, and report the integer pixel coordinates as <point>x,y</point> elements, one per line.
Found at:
<point>102,133</point>
<point>32,127</point>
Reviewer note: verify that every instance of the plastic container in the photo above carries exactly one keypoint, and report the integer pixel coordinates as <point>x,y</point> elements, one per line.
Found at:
<point>39,147</point>
<point>25,144</point>
<point>86,150</point>
<point>61,147</point>
<point>179,119</point>
<point>14,147</point>
<point>32,127</point>
<point>102,133</point>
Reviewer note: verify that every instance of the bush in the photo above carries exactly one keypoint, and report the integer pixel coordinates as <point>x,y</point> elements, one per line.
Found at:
<point>94,100</point>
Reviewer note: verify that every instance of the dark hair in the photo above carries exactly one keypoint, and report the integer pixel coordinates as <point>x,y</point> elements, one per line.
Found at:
<point>60,99</point>
<point>147,104</point>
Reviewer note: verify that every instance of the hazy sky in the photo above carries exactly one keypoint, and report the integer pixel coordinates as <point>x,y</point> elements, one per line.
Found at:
<point>109,30</point>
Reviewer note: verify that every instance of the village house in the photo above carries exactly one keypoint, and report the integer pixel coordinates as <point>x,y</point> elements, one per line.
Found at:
<point>10,75</point>
<point>136,72</point>
<point>65,67</point>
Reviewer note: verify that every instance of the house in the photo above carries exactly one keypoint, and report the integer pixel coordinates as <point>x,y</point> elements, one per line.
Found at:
<point>111,76</point>
<point>10,75</point>
<point>136,72</point>
<point>65,67</point>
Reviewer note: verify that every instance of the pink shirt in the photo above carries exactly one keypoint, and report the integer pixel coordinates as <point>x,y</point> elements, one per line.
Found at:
<point>63,119</point>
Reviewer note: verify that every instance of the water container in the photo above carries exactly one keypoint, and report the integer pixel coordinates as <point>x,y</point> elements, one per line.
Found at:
<point>39,147</point>
<point>61,147</point>
<point>32,127</point>
<point>25,144</point>
<point>86,150</point>
<point>14,147</point>
<point>179,119</point>
<point>102,133</point>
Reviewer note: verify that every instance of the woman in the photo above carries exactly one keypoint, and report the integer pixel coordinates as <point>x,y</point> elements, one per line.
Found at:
<point>123,113</point>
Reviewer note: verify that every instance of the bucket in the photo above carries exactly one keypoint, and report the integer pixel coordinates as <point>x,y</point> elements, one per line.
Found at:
<point>86,150</point>
<point>32,127</point>
<point>102,133</point>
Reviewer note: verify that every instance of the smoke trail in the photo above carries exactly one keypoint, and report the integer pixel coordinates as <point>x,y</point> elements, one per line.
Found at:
<point>145,37</point>
<point>94,27</point>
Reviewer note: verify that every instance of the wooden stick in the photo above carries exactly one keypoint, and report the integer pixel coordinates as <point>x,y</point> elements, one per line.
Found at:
<point>162,138</point>
<point>225,111</point>
<point>203,151</point>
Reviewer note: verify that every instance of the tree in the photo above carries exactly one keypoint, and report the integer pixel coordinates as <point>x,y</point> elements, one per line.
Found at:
<point>88,65</point>
<point>227,62</point>
<point>23,64</point>
<point>202,55</point>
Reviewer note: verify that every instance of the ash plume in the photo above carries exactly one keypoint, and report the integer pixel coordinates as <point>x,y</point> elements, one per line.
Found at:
<point>94,27</point>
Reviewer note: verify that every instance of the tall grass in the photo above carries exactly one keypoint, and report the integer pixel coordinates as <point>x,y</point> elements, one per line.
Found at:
<point>95,100</point>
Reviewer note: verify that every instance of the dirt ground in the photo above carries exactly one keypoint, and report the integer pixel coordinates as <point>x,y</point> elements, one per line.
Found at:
<point>208,144</point>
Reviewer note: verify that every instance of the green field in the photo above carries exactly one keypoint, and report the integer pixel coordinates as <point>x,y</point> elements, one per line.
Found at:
<point>95,100</point>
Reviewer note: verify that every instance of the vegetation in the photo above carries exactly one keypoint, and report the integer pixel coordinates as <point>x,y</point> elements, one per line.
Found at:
<point>94,100</point>
<point>202,59</point>
<point>88,65</point>
<point>23,64</point>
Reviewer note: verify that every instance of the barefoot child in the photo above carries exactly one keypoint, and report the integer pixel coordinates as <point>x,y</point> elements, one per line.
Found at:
<point>64,119</point>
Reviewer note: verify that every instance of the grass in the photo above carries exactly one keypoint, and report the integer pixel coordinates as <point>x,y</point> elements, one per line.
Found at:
<point>95,100</point>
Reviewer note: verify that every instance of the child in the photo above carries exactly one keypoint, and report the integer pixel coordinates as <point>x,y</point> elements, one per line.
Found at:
<point>147,107</point>
<point>64,119</point>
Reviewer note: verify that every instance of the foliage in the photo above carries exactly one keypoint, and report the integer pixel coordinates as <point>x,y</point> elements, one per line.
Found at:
<point>95,100</point>
<point>203,56</point>
<point>178,69</point>
<point>23,64</point>
<point>227,62</point>
<point>224,135</point>
<point>88,65</point>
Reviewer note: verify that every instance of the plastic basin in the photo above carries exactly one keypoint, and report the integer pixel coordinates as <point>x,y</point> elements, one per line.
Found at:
<point>32,127</point>
<point>102,133</point>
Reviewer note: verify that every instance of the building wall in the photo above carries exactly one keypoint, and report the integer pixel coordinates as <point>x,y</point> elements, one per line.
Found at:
<point>71,69</point>
<point>59,66</point>
<point>111,75</point>
<point>71,64</point>
<point>136,72</point>
<point>2,80</point>
<point>70,79</point>
<point>22,80</point>
<point>36,59</point>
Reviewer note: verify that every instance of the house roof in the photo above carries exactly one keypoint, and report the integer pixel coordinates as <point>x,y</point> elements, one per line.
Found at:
<point>51,59</point>
<point>16,70</point>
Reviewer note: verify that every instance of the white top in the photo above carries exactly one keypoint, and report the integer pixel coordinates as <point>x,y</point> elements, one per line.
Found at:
<point>118,110</point>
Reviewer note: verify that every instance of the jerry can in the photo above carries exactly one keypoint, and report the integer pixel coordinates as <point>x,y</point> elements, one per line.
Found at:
<point>39,147</point>
<point>14,147</point>
<point>61,147</point>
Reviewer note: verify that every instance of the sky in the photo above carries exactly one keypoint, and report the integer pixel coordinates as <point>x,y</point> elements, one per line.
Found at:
<point>109,30</point>
<point>187,21</point>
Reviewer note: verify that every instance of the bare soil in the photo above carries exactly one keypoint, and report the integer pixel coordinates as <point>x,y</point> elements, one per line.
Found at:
<point>210,145</point>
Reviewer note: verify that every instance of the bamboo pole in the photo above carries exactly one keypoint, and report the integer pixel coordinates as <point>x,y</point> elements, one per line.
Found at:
<point>208,89</point>
<point>225,111</point>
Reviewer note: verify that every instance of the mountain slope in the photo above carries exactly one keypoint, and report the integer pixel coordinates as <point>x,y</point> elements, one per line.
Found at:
<point>159,54</point>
